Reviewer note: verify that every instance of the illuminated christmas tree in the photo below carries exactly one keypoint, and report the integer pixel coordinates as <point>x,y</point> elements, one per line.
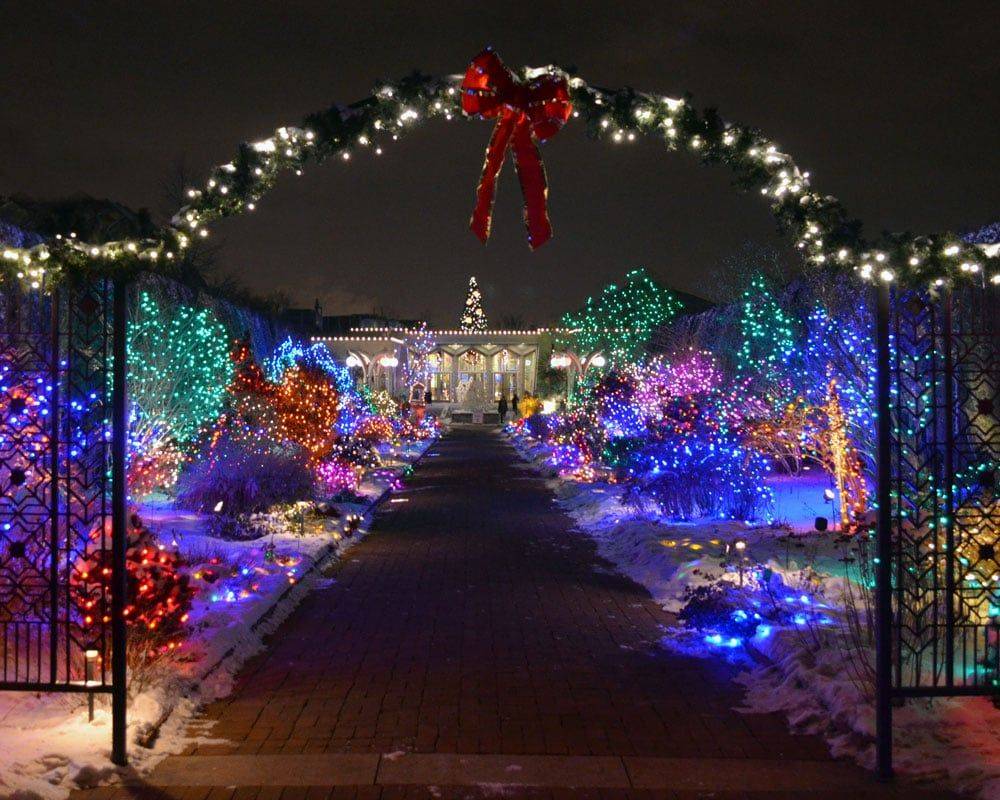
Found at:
<point>767,343</point>
<point>417,363</point>
<point>178,369</point>
<point>473,316</point>
<point>619,321</point>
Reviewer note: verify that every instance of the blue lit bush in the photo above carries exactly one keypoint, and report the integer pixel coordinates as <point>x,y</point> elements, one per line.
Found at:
<point>538,425</point>
<point>728,614</point>
<point>695,477</point>
<point>724,613</point>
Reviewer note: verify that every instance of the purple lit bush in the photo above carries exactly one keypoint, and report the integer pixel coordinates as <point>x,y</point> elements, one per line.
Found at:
<point>671,431</point>
<point>669,436</point>
<point>243,481</point>
<point>337,475</point>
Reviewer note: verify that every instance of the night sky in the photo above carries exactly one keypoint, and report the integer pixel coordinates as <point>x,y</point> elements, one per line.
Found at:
<point>893,107</point>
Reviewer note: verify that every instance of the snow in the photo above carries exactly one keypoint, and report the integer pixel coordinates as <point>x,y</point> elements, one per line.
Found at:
<point>798,501</point>
<point>801,672</point>
<point>669,557</point>
<point>953,740</point>
<point>50,747</point>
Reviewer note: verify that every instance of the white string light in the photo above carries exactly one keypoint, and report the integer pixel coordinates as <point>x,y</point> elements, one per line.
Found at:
<point>819,221</point>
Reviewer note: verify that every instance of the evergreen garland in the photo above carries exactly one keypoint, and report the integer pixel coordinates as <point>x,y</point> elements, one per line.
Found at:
<point>822,229</point>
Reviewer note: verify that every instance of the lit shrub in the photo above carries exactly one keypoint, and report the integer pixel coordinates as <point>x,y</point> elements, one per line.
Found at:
<point>337,475</point>
<point>721,610</point>
<point>244,481</point>
<point>537,425</point>
<point>307,405</point>
<point>178,370</point>
<point>698,477</point>
<point>158,601</point>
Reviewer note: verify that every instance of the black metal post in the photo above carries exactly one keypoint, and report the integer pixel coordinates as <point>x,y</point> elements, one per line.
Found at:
<point>119,526</point>
<point>54,438</point>
<point>883,570</point>
<point>948,414</point>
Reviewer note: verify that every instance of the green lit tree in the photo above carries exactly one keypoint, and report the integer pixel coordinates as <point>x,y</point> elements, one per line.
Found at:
<point>178,370</point>
<point>767,333</point>
<point>621,319</point>
<point>473,317</point>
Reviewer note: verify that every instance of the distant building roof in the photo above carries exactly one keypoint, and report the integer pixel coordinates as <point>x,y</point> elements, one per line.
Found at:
<point>692,303</point>
<point>312,321</point>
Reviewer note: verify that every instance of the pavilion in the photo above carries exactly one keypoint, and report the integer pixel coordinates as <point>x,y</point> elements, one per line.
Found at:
<point>465,369</point>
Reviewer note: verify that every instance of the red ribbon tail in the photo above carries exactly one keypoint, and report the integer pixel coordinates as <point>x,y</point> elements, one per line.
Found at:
<point>534,187</point>
<point>496,151</point>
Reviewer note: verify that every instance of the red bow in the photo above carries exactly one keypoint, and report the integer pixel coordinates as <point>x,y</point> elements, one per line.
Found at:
<point>530,111</point>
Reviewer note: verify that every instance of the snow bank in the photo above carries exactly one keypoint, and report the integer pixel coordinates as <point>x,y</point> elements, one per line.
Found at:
<point>951,740</point>
<point>956,740</point>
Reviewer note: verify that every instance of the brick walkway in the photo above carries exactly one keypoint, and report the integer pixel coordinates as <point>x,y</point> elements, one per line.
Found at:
<point>473,627</point>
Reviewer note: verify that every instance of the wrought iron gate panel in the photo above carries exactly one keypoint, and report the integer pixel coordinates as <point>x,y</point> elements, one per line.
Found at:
<point>86,334</point>
<point>945,516</point>
<point>55,390</point>
<point>976,510</point>
<point>26,480</point>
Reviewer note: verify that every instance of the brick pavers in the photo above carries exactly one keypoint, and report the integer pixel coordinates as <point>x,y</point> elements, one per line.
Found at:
<point>474,621</point>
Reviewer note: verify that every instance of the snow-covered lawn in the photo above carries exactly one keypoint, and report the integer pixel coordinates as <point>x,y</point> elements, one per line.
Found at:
<point>246,590</point>
<point>797,668</point>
